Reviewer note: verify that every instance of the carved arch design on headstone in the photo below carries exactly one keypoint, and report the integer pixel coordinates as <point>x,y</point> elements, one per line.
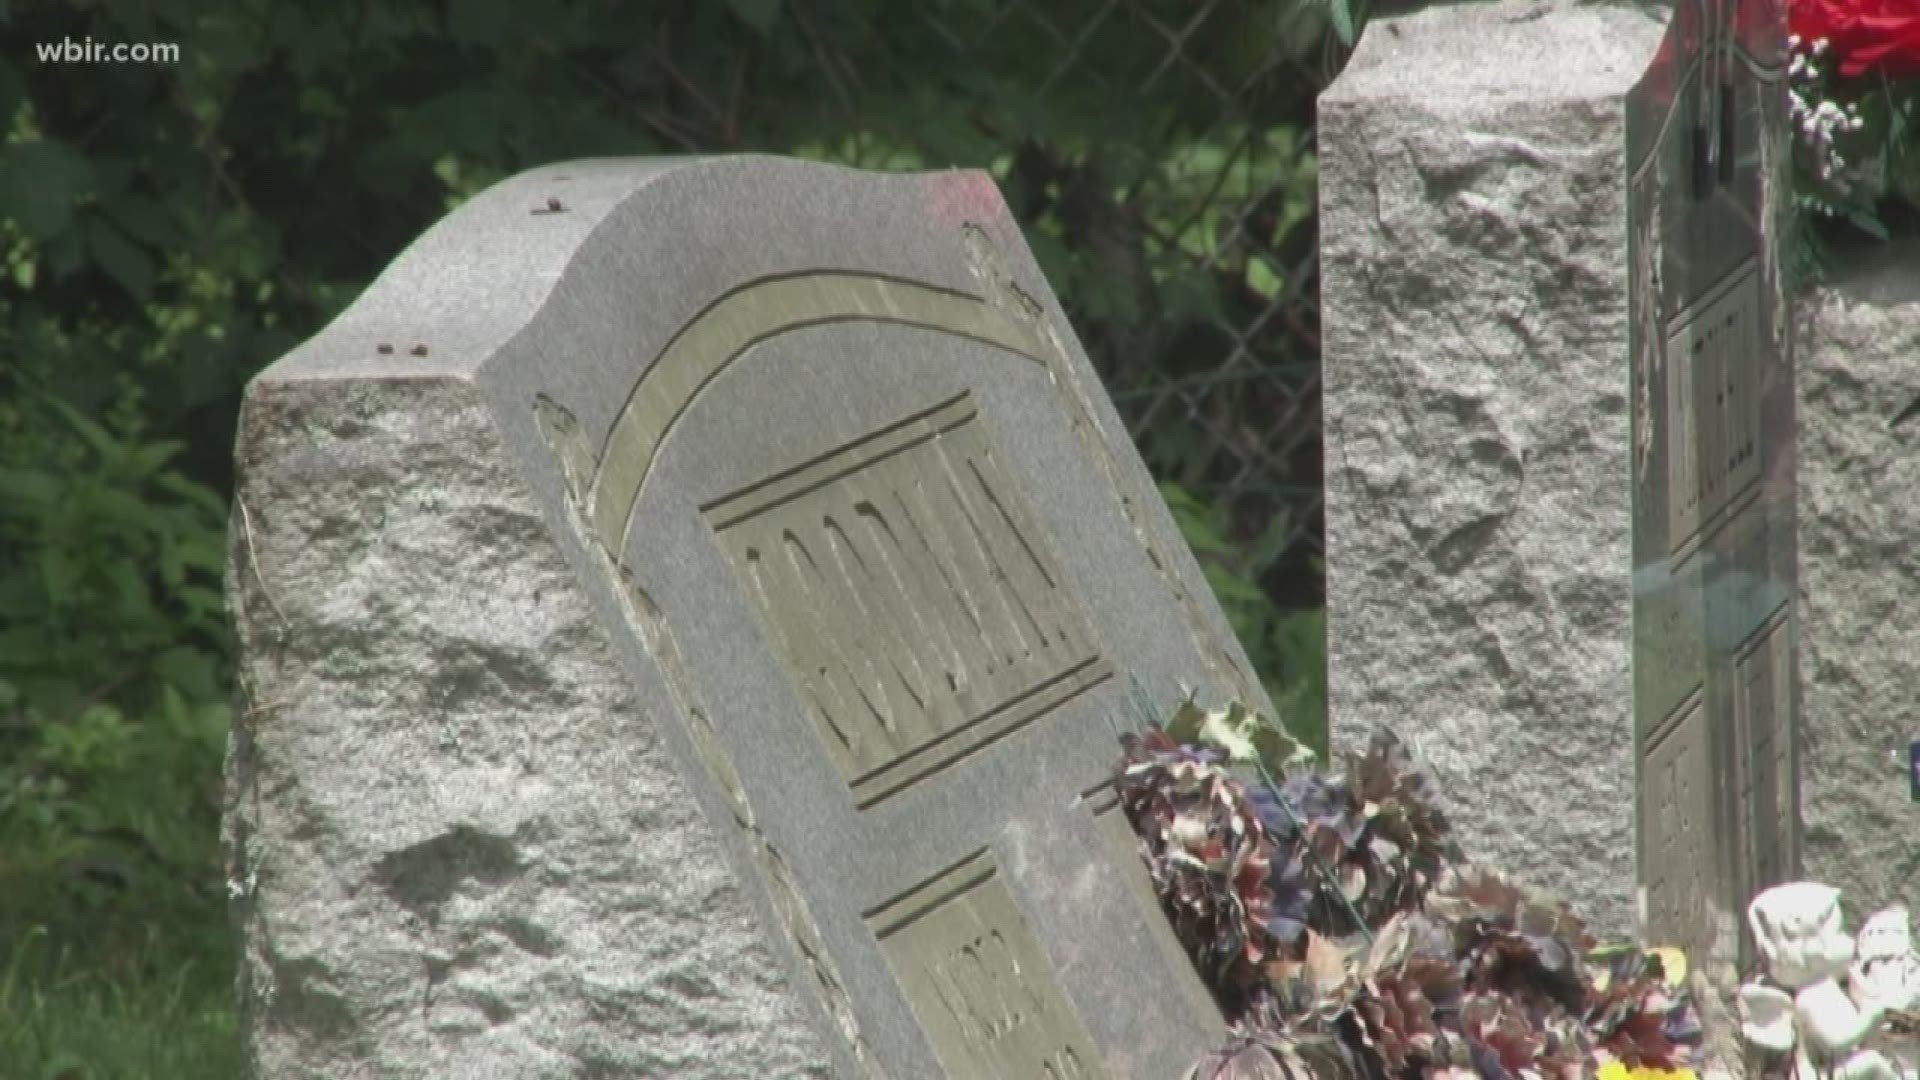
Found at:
<point>1008,319</point>
<point>841,555</point>
<point>755,312</point>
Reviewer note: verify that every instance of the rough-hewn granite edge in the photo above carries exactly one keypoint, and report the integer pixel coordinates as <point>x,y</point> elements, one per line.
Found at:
<point>460,846</point>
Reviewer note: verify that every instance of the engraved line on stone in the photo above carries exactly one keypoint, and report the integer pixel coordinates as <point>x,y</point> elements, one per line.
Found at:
<point>976,978</point>
<point>1671,722</point>
<point>1712,409</point>
<point>988,265</point>
<point>1002,562</point>
<point>844,618</point>
<point>750,314</point>
<point>1090,433</point>
<point>843,598</point>
<point>803,648</point>
<point>795,918</point>
<point>1011,703</point>
<point>1762,730</point>
<point>803,930</point>
<point>1723,519</point>
<point>985,568</point>
<point>1012,527</point>
<point>836,666</point>
<point>840,592</point>
<point>931,591</point>
<point>568,444</point>
<point>1677,881</point>
<point>898,912</point>
<point>914,494</point>
<point>892,605</point>
<point>1015,590</point>
<point>1101,797</point>
<point>869,678</point>
<point>911,588</point>
<point>933,584</point>
<point>1761,635</point>
<point>1712,295</point>
<point>827,695</point>
<point>877,613</point>
<point>1043,699</point>
<point>1670,611</point>
<point>1036,562</point>
<point>823,469</point>
<point>968,569</point>
<point>933,624</point>
<point>1065,1066</point>
<point>659,639</point>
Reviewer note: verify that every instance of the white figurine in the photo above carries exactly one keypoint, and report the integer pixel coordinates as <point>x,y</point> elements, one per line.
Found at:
<point>1807,952</point>
<point>1885,967</point>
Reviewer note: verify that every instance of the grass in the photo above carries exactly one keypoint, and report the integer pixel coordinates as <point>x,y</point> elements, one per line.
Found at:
<point>66,1019</point>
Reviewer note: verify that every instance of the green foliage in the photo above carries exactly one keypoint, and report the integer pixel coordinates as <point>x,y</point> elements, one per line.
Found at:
<point>1287,647</point>
<point>168,229</point>
<point>61,1019</point>
<point>113,679</point>
<point>1862,187</point>
<point>1868,185</point>
<point>1245,736</point>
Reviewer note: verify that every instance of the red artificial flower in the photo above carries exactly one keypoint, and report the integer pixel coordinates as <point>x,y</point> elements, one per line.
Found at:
<point>1880,36</point>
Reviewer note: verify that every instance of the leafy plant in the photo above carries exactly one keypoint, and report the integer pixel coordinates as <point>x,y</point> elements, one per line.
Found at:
<point>63,1017</point>
<point>1854,87</point>
<point>1287,646</point>
<point>167,229</point>
<point>113,676</point>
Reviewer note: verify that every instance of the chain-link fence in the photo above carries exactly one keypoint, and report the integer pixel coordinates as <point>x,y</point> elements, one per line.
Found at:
<point>1163,168</point>
<point>1162,164</point>
<point>1222,392</point>
<point>1222,389</point>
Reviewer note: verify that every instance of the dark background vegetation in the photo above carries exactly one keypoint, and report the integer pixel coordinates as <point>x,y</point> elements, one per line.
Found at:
<point>169,229</point>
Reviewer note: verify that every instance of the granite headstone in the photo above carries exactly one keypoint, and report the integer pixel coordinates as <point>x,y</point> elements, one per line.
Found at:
<point>1479,512</point>
<point>1560,456</point>
<point>1715,685</point>
<point>684,611</point>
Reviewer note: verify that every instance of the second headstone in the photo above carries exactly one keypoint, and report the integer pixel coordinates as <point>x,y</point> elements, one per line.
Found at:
<point>1560,458</point>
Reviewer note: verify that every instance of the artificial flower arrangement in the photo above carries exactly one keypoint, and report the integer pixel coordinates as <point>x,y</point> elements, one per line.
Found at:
<point>1854,86</point>
<point>1343,936</point>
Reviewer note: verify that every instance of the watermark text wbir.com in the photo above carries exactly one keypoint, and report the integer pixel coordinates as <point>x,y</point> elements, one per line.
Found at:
<point>89,51</point>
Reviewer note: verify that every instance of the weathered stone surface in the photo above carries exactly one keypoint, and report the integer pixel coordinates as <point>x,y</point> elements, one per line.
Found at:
<point>462,846</point>
<point>684,610</point>
<point>1475,304</point>
<point>1859,367</point>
